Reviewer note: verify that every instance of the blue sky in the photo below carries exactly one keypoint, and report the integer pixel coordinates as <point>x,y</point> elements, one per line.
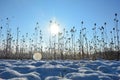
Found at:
<point>68,13</point>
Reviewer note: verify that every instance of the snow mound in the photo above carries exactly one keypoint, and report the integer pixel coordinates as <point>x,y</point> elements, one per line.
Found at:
<point>56,78</point>
<point>82,76</point>
<point>106,69</point>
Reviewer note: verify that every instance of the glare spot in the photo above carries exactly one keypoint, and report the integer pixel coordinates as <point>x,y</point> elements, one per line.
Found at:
<point>54,28</point>
<point>37,56</point>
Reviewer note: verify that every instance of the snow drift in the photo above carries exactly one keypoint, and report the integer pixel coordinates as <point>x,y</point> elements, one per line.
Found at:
<point>59,70</point>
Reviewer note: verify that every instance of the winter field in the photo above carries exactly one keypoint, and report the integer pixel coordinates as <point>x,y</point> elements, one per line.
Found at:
<point>59,70</point>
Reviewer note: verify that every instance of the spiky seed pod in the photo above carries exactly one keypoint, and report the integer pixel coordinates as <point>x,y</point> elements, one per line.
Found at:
<point>7,18</point>
<point>105,23</point>
<point>37,23</point>
<point>50,21</point>
<point>117,20</point>
<point>81,22</point>
<point>73,27</point>
<point>95,24</point>
<point>102,27</point>
<point>113,28</point>
<point>115,14</point>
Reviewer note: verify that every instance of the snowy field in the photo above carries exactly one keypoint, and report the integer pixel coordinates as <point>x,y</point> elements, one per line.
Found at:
<point>59,70</point>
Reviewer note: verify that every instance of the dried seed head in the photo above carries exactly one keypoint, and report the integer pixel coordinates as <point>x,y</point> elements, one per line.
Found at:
<point>115,14</point>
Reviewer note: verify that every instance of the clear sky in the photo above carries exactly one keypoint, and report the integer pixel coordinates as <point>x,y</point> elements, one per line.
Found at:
<point>68,13</point>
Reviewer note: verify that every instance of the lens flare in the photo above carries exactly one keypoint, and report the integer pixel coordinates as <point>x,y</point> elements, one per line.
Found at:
<point>37,56</point>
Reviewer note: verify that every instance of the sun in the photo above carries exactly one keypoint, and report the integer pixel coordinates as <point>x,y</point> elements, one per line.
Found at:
<point>54,28</point>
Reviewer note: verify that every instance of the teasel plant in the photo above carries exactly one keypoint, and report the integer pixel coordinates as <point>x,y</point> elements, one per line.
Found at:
<point>60,44</point>
<point>73,30</point>
<point>40,41</point>
<point>82,34</point>
<point>64,40</point>
<point>54,47</point>
<point>80,44</point>
<point>31,44</point>
<point>52,41</point>
<point>50,49</point>
<point>114,38</point>
<point>22,45</point>
<point>67,44</point>
<point>86,43</point>
<point>36,34</point>
<point>8,38</point>
<point>100,39</point>
<point>13,47</point>
<point>26,42</point>
<point>117,36</point>
<point>94,40</point>
<point>106,37</point>
<point>1,38</point>
<point>90,49</point>
<point>17,41</point>
<point>87,48</point>
<point>111,41</point>
<point>117,32</point>
<point>103,38</point>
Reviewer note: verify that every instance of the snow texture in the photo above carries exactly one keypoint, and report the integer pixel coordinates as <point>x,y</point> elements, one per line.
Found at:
<point>59,70</point>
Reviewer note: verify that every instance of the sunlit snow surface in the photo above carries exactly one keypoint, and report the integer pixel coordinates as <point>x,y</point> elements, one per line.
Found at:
<point>59,70</point>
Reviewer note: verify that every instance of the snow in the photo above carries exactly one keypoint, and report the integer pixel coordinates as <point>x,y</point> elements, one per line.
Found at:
<point>59,70</point>
<point>82,76</point>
